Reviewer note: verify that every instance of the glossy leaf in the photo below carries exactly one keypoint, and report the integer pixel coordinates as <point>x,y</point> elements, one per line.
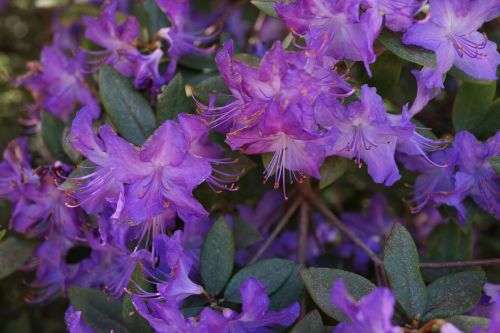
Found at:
<point>454,294</point>
<point>52,133</point>
<point>173,100</point>
<point>386,72</point>
<point>272,273</point>
<point>14,252</point>
<point>319,282</point>
<point>392,41</point>
<point>401,264</point>
<point>128,110</point>
<point>472,106</point>
<point>217,257</point>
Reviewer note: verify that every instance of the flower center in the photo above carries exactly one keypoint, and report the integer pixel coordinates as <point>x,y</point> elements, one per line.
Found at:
<point>468,47</point>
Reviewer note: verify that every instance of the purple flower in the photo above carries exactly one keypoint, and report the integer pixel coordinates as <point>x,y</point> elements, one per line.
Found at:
<point>119,42</point>
<point>372,226</point>
<point>493,327</point>
<point>451,32</point>
<point>476,176</point>
<point>254,316</point>
<point>399,14</point>
<point>337,29</point>
<point>58,84</point>
<point>75,323</point>
<point>184,36</point>
<point>366,134</point>
<point>167,318</point>
<point>371,314</point>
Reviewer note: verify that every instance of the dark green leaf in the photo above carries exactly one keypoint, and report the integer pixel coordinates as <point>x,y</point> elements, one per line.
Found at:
<point>2,233</point>
<point>130,315</point>
<point>491,122</point>
<point>103,313</point>
<point>319,282</point>
<point>52,134</point>
<point>495,163</point>
<point>245,234</point>
<point>472,105</point>
<point>392,41</point>
<point>249,59</point>
<point>217,257</point>
<point>267,6</point>
<point>333,168</point>
<point>311,323</point>
<point>14,252</point>
<point>157,18</point>
<point>272,273</point>
<point>453,295</point>
<point>401,264</point>
<point>291,291</point>
<point>211,86</point>
<point>73,154</point>
<point>173,100</point>
<point>467,323</point>
<point>386,72</point>
<point>447,242</point>
<point>128,110</point>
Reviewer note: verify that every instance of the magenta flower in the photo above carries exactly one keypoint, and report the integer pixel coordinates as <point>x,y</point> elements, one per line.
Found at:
<point>337,29</point>
<point>371,314</point>
<point>75,323</point>
<point>451,32</point>
<point>254,316</point>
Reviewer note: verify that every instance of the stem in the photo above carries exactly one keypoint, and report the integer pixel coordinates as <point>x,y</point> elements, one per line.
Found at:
<point>303,232</point>
<point>281,224</point>
<point>316,202</point>
<point>465,263</point>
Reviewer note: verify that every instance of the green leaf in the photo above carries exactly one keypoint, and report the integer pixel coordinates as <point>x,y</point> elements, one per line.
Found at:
<point>103,313</point>
<point>128,110</point>
<point>319,282</point>
<point>495,163</point>
<point>401,264</point>
<point>157,18</point>
<point>454,294</point>
<point>386,72</point>
<point>72,153</point>
<point>129,313</point>
<point>491,122</point>
<point>290,291</point>
<point>267,6</point>
<point>217,257</point>
<point>333,168</point>
<point>52,134</point>
<point>2,233</point>
<point>392,41</point>
<point>249,59</point>
<point>467,323</point>
<point>14,252</point>
<point>272,273</point>
<point>311,323</point>
<point>212,86</point>
<point>472,106</point>
<point>447,242</point>
<point>245,234</point>
<point>173,100</point>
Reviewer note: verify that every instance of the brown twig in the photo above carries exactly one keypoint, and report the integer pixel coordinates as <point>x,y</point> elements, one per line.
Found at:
<point>465,263</point>
<point>281,224</point>
<point>303,232</point>
<point>316,202</point>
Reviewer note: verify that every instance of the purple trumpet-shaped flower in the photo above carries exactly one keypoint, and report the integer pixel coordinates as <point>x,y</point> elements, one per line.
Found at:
<point>75,323</point>
<point>184,36</point>
<point>172,274</point>
<point>451,32</point>
<point>114,161</point>
<point>371,314</point>
<point>476,176</point>
<point>58,84</point>
<point>336,29</point>
<point>372,226</point>
<point>254,316</point>
<point>365,133</point>
<point>120,44</point>
<point>166,317</point>
<point>399,14</point>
